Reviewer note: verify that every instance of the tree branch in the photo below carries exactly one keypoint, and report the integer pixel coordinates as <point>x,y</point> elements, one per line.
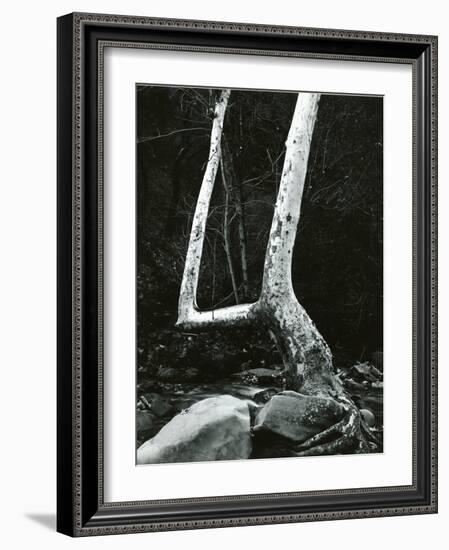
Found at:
<point>160,136</point>
<point>189,285</point>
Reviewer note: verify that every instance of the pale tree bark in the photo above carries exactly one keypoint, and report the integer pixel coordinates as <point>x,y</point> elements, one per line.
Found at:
<point>306,356</point>
<point>189,316</point>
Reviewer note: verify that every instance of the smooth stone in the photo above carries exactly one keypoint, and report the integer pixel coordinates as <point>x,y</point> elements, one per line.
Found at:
<point>368,417</point>
<point>298,417</point>
<point>217,428</point>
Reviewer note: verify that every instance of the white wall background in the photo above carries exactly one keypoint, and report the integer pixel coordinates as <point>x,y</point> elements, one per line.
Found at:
<point>28,267</point>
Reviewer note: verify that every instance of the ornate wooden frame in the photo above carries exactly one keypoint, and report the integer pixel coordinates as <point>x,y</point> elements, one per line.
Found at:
<point>81,41</point>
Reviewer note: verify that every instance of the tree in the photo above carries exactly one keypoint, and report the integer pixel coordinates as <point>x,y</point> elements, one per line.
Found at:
<point>233,192</point>
<point>306,356</point>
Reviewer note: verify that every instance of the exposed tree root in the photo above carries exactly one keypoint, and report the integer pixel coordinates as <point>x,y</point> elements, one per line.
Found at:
<point>346,436</point>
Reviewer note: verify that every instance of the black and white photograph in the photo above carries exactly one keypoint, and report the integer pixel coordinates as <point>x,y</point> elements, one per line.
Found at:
<point>259,267</point>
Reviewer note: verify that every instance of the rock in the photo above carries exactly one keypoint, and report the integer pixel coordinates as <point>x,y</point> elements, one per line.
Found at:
<point>217,428</point>
<point>278,367</point>
<point>159,405</point>
<point>258,394</point>
<point>263,396</point>
<point>260,375</point>
<point>246,365</point>
<point>373,403</point>
<point>366,371</point>
<point>296,416</point>
<point>145,427</point>
<point>368,417</point>
<point>353,387</point>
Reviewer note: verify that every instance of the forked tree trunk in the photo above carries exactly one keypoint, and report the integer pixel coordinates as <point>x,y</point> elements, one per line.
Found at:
<point>306,356</point>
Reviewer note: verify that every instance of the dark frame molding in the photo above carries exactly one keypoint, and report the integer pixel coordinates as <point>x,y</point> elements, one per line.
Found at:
<point>81,510</point>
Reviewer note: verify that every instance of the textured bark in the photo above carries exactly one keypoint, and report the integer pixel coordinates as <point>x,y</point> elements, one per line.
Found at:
<point>306,355</point>
<point>187,298</point>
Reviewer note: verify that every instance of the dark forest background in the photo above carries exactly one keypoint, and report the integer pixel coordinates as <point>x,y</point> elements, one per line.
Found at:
<point>337,268</point>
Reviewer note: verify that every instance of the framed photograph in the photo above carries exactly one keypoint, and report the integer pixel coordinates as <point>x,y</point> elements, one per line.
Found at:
<point>247,280</point>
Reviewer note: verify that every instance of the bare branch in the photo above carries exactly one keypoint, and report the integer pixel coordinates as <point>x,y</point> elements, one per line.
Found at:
<point>160,136</point>
<point>189,285</point>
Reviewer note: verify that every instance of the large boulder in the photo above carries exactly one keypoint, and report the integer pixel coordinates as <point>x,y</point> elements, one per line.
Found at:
<point>297,417</point>
<point>217,428</point>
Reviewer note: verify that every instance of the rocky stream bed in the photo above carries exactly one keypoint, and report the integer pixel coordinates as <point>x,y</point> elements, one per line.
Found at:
<point>220,420</point>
